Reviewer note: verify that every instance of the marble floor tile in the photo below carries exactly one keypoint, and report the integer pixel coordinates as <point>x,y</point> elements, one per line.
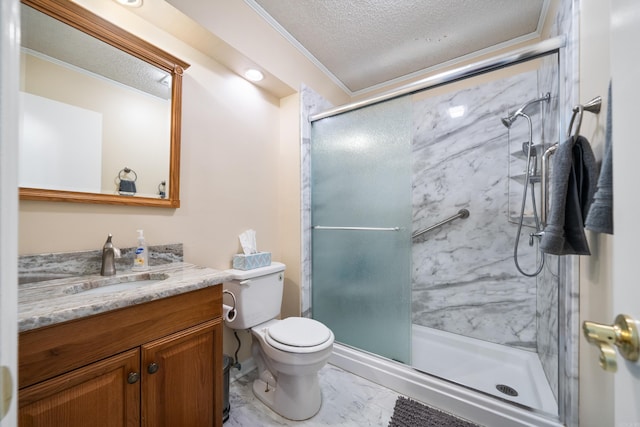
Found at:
<point>348,400</point>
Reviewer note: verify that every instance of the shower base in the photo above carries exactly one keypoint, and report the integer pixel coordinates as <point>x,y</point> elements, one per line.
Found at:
<point>494,369</point>
<point>447,396</point>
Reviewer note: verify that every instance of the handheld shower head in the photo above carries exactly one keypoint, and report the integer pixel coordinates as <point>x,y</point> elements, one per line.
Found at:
<point>508,121</point>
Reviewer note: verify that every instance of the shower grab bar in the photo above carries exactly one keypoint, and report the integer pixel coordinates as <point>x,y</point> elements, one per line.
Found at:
<point>593,106</point>
<point>544,208</point>
<point>462,213</point>
<point>323,227</point>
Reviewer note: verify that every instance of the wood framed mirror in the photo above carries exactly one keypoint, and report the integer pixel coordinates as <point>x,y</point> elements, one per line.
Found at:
<point>100,111</point>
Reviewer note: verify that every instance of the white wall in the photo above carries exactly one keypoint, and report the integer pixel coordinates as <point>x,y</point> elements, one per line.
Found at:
<point>596,385</point>
<point>60,145</point>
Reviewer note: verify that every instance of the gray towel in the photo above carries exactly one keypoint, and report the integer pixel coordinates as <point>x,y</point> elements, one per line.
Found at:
<point>600,218</point>
<point>573,184</point>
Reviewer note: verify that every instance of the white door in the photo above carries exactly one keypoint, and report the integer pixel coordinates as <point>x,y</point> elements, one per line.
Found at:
<point>9,58</point>
<point>625,69</point>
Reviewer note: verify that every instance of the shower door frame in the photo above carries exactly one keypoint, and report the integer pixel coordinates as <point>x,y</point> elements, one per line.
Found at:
<point>568,295</point>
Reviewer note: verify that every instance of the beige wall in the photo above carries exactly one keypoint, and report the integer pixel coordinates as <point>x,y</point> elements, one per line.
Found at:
<point>239,170</point>
<point>289,204</point>
<point>596,386</point>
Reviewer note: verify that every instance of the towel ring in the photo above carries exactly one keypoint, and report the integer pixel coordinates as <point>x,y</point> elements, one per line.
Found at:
<point>123,174</point>
<point>127,186</point>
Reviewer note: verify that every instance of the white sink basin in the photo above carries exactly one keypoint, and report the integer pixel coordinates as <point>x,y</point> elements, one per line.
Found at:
<point>116,284</point>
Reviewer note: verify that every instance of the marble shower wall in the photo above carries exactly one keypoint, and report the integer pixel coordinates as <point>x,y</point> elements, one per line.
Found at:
<point>464,278</point>
<point>566,25</point>
<point>310,103</point>
<point>547,282</point>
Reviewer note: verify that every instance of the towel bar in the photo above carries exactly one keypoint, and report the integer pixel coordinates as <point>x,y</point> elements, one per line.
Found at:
<point>593,106</point>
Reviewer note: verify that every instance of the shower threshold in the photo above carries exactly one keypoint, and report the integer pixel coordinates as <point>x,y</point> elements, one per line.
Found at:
<point>505,372</point>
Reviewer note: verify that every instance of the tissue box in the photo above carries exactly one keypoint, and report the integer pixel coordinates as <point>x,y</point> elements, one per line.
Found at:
<point>251,261</point>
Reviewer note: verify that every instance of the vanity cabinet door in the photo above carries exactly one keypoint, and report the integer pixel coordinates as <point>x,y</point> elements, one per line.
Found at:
<point>181,382</point>
<point>104,393</point>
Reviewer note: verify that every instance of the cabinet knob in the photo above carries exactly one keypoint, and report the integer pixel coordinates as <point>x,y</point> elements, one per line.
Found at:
<point>152,368</point>
<point>133,377</point>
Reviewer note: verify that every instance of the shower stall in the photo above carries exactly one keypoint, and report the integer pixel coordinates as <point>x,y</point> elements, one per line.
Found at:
<point>423,209</point>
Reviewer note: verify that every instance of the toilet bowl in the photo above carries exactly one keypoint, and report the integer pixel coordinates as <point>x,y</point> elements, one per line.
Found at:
<point>288,373</point>
<point>289,352</point>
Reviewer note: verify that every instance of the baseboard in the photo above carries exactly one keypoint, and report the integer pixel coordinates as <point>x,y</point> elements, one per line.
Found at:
<point>245,367</point>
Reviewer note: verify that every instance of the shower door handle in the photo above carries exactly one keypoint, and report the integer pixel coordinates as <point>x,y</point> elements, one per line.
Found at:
<point>324,227</point>
<point>623,334</point>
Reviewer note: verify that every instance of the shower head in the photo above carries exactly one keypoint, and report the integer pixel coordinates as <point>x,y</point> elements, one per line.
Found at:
<point>508,121</point>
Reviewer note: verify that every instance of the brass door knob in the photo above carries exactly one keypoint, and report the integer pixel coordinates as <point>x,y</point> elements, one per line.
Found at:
<point>6,382</point>
<point>622,334</point>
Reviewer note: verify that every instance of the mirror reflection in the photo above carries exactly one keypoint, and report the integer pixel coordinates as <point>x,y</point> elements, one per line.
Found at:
<point>94,118</point>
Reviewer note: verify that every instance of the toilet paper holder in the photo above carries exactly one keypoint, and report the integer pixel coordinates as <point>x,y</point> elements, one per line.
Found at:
<point>229,312</point>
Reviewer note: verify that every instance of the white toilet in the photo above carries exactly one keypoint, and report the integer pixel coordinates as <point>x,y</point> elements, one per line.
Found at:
<point>289,352</point>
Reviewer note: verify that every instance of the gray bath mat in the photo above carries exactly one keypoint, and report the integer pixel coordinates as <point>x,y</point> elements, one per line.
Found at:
<point>409,413</point>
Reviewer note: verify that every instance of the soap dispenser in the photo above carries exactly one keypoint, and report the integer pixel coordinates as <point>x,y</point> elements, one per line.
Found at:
<point>141,257</point>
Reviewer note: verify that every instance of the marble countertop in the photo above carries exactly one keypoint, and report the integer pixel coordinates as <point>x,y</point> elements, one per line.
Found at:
<point>54,301</point>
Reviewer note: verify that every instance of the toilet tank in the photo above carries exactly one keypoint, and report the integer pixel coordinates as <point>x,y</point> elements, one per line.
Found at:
<point>258,295</point>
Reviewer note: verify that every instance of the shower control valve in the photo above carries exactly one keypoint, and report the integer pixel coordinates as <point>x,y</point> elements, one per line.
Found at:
<point>537,234</point>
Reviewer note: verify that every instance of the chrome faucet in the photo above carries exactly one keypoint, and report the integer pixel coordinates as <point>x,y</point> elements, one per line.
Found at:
<point>109,254</point>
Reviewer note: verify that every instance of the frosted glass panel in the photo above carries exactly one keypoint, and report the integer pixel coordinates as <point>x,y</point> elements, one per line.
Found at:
<point>361,177</point>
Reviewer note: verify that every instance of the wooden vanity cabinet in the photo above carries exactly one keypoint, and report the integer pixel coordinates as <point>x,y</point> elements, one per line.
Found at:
<point>87,373</point>
<point>97,394</point>
<point>178,376</point>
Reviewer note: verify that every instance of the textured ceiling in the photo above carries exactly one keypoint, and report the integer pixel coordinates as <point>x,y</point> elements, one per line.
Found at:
<point>366,44</point>
<point>54,39</point>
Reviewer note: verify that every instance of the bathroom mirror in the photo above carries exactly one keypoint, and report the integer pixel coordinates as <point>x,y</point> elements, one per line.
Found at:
<point>100,111</point>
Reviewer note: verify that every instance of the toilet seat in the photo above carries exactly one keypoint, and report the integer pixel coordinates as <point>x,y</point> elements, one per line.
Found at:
<point>299,335</point>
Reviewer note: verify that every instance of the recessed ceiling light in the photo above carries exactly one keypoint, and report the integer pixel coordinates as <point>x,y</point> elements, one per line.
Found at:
<point>253,75</point>
<point>130,3</point>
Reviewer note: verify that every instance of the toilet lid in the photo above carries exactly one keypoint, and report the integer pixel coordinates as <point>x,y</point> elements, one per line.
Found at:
<point>299,332</point>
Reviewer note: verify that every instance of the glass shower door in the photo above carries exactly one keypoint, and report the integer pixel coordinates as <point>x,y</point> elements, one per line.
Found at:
<point>361,218</point>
